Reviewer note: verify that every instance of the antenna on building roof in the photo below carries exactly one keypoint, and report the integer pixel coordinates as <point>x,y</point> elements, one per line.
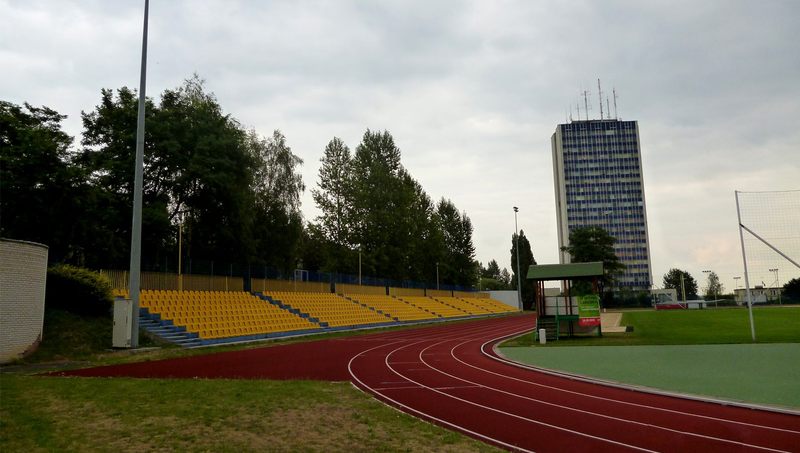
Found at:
<point>578,106</point>
<point>600,97</point>
<point>608,109</point>
<point>586,103</point>
<point>570,113</point>
<point>615,103</point>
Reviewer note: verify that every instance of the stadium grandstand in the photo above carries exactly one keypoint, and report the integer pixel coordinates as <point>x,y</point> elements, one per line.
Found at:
<point>198,310</point>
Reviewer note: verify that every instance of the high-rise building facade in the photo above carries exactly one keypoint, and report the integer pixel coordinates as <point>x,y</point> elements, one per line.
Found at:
<point>597,167</point>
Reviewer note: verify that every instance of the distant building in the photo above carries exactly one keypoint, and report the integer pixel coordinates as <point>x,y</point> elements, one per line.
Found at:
<point>759,294</point>
<point>597,167</point>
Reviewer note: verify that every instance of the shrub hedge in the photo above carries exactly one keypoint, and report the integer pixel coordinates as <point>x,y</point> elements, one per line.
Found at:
<point>78,291</point>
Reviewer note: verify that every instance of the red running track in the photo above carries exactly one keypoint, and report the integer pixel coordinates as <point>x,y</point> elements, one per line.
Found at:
<point>451,376</point>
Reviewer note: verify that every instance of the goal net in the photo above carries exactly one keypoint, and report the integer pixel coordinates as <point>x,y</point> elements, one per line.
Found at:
<point>769,225</point>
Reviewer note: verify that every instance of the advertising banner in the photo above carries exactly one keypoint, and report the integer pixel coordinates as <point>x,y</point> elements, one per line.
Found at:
<point>589,310</point>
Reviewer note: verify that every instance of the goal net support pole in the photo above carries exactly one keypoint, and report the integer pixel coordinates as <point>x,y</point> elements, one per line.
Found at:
<point>746,276</point>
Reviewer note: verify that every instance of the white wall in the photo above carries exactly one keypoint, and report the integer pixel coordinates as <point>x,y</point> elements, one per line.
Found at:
<point>23,275</point>
<point>507,297</point>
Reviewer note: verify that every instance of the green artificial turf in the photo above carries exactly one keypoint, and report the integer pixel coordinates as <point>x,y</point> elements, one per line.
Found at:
<point>754,373</point>
<point>704,352</point>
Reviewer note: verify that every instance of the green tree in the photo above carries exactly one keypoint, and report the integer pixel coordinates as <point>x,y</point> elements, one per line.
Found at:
<point>237,193</point>
<point>334,197</point>
<point>505,277</point>
<point>493,278</point>
<point>714,287</point>
<point>791,290</point>
<point>590,244</point>
<point>426,241</point>
<point>334,193</point>
<point>44,198</point>
<point>492,270</point>
<point>672,280</point>
<point>379,227</point>
<point>526,260</point>
<point>457,266</point>
<point>107,157</point>
<point>277,223</point>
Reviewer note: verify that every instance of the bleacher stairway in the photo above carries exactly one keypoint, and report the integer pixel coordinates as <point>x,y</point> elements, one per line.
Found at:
<point>166,331</point>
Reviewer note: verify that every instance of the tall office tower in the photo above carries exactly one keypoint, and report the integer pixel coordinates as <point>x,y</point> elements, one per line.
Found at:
<point>597,167</point>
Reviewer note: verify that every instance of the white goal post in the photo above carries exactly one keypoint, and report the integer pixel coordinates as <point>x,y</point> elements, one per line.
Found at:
<point>772,221</point>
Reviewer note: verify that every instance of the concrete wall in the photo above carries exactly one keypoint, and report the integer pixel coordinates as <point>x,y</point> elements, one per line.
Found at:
<point>23,276</point>
<point>507,297</point>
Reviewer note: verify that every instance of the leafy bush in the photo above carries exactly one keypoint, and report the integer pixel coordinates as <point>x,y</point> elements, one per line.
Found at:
<point>78,290</point>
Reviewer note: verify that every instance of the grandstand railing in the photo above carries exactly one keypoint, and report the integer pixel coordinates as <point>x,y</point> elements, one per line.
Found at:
<point>393,291</point>
<point>344,288</point>
<point>195,282</point>
<point>165,281</point>
<point>261,284</point>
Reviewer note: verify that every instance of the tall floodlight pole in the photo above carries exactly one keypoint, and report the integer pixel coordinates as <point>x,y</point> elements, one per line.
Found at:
<point>777,285</point>
<point>519,274</point>
<point>746,275</point>
<point>136,230</point>
<point>437,276</point>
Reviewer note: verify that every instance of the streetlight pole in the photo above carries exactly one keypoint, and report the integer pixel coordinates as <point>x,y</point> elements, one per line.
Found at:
<point>777,285</point>
<point>683,289</point>
<point>709,287</point>
<point>136,229</point>
<point>519,274</point>
<point>180,246</point>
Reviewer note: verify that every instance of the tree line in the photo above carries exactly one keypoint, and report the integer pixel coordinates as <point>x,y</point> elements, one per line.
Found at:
<point>374,212</point>
<point>233,193</point>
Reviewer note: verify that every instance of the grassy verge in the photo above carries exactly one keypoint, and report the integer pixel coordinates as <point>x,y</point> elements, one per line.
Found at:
<point>70,337</point>
<point>90,414</point>
<point>713,326</point>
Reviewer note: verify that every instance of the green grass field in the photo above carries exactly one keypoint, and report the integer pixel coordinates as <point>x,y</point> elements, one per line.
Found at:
<point>122,414</point>
<point>91,414</point>
<point>712,326</point>
<point>701,352</point>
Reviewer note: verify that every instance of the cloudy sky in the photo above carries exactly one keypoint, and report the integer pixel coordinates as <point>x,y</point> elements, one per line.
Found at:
<point>471,92</point>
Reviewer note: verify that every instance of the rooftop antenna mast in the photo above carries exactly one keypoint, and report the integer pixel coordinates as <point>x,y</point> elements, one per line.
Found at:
<point>586,103</point>
<point>600,98</point>
<point>608,109</point>
<point>615,103</point>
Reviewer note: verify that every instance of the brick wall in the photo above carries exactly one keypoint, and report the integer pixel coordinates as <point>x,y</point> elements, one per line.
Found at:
<point>23,274</point>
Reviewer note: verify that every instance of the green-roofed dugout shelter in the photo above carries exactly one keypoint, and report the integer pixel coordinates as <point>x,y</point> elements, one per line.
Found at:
<point>567,315</point>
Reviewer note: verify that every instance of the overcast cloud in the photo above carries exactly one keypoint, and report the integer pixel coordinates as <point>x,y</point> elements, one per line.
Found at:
<point>471,92</point>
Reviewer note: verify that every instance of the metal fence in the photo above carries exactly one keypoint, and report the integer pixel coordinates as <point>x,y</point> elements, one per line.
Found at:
<point>254,278</point>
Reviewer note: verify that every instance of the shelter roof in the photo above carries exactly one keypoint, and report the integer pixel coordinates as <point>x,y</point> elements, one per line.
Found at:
<point>565,271</point>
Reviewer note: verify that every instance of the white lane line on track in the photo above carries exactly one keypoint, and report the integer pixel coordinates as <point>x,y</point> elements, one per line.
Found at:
<point>456,387</point>
<point>519,417</point>
<point>591,413</point>
<point>408,387</point>
<point>602,398</point>
<point>423,414</point>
